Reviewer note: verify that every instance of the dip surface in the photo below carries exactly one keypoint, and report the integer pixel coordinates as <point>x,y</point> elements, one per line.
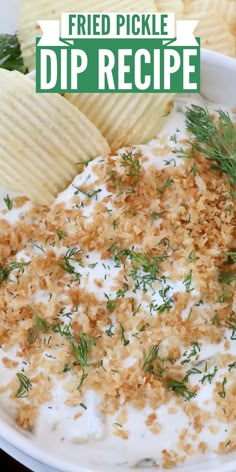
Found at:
<point>117,338</point>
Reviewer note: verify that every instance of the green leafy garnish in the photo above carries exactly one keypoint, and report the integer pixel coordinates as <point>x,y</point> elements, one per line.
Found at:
<point>131,165</point>
<point>83,377</point>
<point>72,255</point>
<point>24,387</point>
<point>124,340</point>
<point>92,194</point>
<point>227,277</point>
<point>188,282</point>
<point>81,350</point>
<point>9,202</point>
<point>5,271</point>
<point>165,185</point>
<point>222,392</point>
<point>61,234</point>
<point>10,54</point>
<point>180,388</point>
<point>216,141</point>
<point>34,332</point>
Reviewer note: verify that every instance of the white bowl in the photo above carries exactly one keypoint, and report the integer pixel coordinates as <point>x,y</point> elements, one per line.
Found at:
<point>218,79</point>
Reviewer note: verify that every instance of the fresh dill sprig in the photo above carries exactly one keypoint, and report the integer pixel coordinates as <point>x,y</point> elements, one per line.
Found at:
<point>153,363</point>
<point>131,164</point>
<point>83,377</point>
<point>72,255</point>
<point>81,350</point>
<point>5,271</point>
<point>216,141</point>
<point>9,202</point>
<point>25,385</point>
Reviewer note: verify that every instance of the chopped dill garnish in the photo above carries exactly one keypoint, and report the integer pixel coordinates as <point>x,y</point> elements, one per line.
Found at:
<point>109,332</point>
<point>153,363</point>
<point>140,261</point>
<point>194,352</point>
<point>192,256</point>
<point>232,366</point>
<point>188,282</point>
<point>93,193</point>
<point>231,259</point>
<point>224,297</point>
<point>180,389</point>
<point>194,170</point>
<point>25,385</point>
<point>222,392</point>
<point>34,332</point>
<point>81,350</point>
<point>226,277</point>
<point>114,224</point>
<point>72,255</point>
<point>9,202</point>
<point>157,214</point>
<point>209,376</point>
<point>111,304</point>
<point>61,234</point>
<point>165,185</point>
<point>215,320</point>
<point>5,271</point>
<point>136,310</point>
<point>132,165</point>
<point>83,406</point>
<point>173,138</point>
<point>189,372</point>
<point>124,340</point>
<point>83,377</point>
<point>232,325</point>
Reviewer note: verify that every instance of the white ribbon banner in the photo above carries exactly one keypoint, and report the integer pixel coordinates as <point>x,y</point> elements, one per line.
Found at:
<point>117,25</point>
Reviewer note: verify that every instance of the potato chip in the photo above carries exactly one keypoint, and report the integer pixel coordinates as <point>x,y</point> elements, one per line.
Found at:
<point>124,119</point>
<point>227,8</point>
<point>170,6</point>
<point>51,9</point>
<point>42,138</point>
<point>213,31</point>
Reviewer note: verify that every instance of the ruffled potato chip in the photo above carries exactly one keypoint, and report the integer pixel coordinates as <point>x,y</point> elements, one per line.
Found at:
<point>124,119</point>
<point>42,138</point>
<point>214,31</point>
<point>51,9</point>
<point>227,8</point>
<point>170,6</point>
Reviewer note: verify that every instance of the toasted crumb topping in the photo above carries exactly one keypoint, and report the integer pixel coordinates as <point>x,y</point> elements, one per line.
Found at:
<point>117,290</point>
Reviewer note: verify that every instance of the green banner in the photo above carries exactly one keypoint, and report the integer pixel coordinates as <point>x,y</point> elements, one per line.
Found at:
<point>141,65</point>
